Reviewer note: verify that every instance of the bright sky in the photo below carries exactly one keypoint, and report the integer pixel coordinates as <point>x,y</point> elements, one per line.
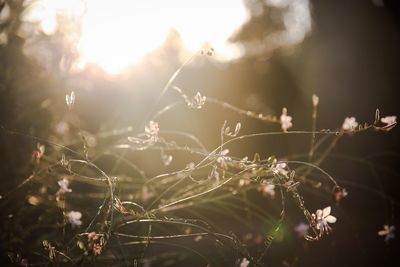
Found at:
<point>116,34</point>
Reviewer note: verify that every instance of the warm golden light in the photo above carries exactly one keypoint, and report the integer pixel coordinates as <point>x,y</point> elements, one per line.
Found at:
<point>119,33</point>
<point>116,34</point>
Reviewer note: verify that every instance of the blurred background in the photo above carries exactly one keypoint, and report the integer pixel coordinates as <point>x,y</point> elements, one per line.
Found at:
<point>269,54</point>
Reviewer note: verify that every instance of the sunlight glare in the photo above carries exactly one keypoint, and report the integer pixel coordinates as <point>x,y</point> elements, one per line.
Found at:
<point>117,34</point>
<point>120,33</point>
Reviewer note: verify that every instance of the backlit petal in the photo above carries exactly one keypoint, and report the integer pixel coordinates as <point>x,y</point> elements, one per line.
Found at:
<point>330,219</point>
<point>319,214</point>
<point>382,232</point>
<point>326,211</point>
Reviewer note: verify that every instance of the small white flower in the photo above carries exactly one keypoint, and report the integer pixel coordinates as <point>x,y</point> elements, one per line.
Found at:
<point>268,189</point>
<point>322,218</point>
<point>64,186</point>
<point>197,102</point>
<point>152,128</point>
<point>222,159</point>
<point>349,124</point>
<point>387,232</point>
<point>92,236</point>
<point>244,182</point>
<point>166,159</point>
<point>302,229</point>
<point>244,263</point>
<point>280,168</point>
<point>315,100</point>
<point>151,136</point>
<point>389,120</point>
<point>227,131</point>
<point>286,121</point>
<point>74,218</point>
<point>70,99</point>
<point>64,162</point>
<point>190,166</point>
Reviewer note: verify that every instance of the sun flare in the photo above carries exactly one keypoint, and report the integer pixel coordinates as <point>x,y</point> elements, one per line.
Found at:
<point>116,34</point>
<point>119,34</point>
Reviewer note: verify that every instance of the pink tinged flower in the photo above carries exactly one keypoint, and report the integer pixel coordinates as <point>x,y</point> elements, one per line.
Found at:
<point>323,217</point>
<point>280,168</point>
<point>152,128</point>
<point>387,232</point>
<point>301,229</point>
<point>389,120</point>
<point>349,124</point>
<point>64,186</point>
<point>340,194</point>
<point>97,249</point>
<point>39,152</point>
<point>74,218</point>
<point>267,189</point>
<point>92,236</point>
<point>286,121</point>
<point>222,158</point>
<point>244,263</point>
